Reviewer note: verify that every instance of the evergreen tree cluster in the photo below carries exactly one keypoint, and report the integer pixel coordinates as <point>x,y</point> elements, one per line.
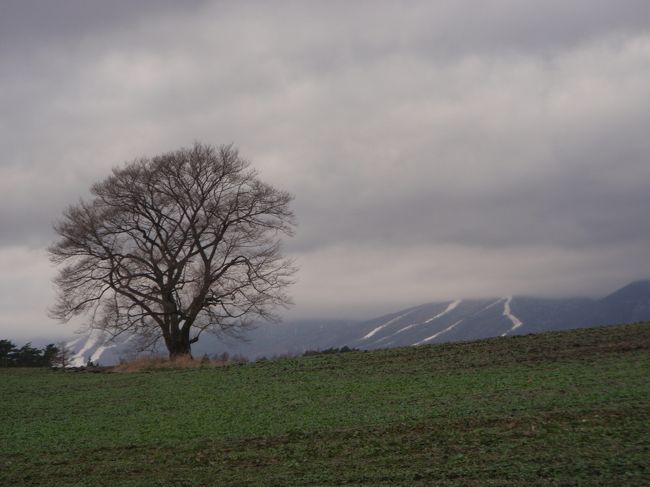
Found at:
<point>28,356</point>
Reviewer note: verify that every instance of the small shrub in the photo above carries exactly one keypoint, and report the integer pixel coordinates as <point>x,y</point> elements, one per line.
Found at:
<point>327,351</point>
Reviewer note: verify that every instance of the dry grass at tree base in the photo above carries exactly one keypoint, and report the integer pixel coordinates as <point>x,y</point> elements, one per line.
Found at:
<point>185,362</point>
<point>159,362</point>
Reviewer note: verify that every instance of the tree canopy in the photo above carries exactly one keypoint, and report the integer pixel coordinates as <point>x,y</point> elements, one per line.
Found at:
<point>174,245</point>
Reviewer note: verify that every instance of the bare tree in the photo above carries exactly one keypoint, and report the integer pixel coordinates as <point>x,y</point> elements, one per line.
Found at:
<point>174,245</point>
<point>60,355</point>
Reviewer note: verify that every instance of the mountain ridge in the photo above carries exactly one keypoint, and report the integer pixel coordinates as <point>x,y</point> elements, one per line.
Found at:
<point>434,322</point>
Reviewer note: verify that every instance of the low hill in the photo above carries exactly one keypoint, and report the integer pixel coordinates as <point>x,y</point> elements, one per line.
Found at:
<point>560,408</point>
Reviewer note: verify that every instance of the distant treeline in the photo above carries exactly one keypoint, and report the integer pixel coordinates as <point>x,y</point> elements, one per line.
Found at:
<point>327,351</point>
<point>28,356</point>
<point>308,353</point>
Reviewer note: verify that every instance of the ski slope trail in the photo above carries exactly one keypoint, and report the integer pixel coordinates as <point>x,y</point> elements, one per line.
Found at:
<point>78,359</point>
<point>452,306</point>
<point>507,312</point>
<point>388,323</point>
<point>98,353</point>
<point>436,335</point>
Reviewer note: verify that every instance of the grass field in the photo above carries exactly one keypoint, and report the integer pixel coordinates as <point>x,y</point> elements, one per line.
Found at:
<point>567,408</point>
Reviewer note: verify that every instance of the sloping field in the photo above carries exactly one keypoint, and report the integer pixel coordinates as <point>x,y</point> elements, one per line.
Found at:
<point>570,408</point>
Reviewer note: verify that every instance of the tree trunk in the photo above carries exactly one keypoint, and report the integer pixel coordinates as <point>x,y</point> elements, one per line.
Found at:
<point>179,346</point>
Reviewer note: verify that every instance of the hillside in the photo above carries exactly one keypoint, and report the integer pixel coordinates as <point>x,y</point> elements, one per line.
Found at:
<point>462,320</point>
<point>561,408</point>
<point>456,320</point>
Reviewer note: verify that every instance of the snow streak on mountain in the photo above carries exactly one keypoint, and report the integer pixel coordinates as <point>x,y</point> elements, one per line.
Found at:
<point>507,312</point>
<point>437,334</point>
<point>384,325</point>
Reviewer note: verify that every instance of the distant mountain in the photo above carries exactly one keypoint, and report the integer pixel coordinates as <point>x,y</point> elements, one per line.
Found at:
<point>458,320</point>
<point>509,315</point>
<point>631,301</point>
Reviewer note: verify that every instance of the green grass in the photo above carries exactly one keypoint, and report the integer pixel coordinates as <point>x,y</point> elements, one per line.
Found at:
<point>552,409</point>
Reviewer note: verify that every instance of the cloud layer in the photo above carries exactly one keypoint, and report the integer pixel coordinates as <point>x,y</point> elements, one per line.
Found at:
<point>436,149</point>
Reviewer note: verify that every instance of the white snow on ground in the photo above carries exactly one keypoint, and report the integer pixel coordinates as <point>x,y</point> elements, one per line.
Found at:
<point>452,306</point>
<point>72,343</point>
<point>487,307</point>
<point>390,322</point>
<point>96,356</point>
<point>79,359</point>
<point>493,304</point>
<point>507,299</point>
<point>507,312</point>
<point>435,335</point>
<point>98,353</point>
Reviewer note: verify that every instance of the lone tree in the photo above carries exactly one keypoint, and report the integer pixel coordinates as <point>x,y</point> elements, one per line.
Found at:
<point>174,245</point>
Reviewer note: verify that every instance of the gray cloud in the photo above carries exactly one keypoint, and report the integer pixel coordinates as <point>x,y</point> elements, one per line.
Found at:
<point>27,23</point>
<point>435,149</point>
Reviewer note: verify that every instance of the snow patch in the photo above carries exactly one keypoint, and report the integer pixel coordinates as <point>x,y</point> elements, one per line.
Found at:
<point>507,312</point>
<point>436,335</point>
<point>72,343</point>
<point>494,304</point>
<point>79,359</point>
<point>98,353</point>
<point>390,322</point>
<point>452,306</point>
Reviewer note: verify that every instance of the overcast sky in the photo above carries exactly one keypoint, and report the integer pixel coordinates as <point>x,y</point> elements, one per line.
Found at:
<point>436,149</point>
